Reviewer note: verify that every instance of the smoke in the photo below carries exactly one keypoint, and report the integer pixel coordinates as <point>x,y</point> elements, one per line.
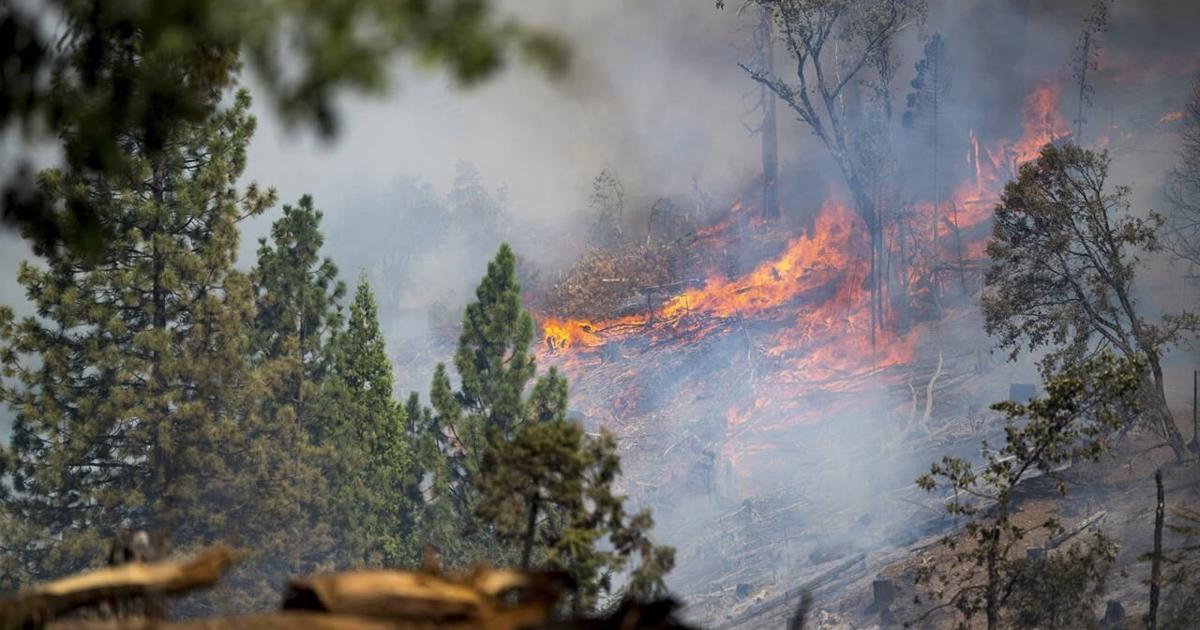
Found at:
<point>656,96</point>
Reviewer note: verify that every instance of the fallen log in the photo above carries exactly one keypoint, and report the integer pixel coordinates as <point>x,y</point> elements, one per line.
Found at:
<point>39,604</point>
<point>1077,529</point>
<point>821,579</point>
<point>480,599</point>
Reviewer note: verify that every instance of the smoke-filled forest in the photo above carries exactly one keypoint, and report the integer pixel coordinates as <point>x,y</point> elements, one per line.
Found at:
<point>500,314</point>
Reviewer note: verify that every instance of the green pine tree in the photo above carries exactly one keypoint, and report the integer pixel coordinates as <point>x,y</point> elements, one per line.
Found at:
<point>298,305</point>
<point>535,474</point>
<point>135,404</point>
<point>375,481</point>
<point>521,483</point>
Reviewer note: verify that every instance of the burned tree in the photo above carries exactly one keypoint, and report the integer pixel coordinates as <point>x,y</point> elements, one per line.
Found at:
<point>1157,554</point>
<point>837,45</point>
<point>1183,187</point>
<point>764,61</point>
<point>1180,581</point>
<point>770,141</point>
<point>1064,253</point>
<point>607,202</point>
<point>925,106</point>
<point>1087,58</point>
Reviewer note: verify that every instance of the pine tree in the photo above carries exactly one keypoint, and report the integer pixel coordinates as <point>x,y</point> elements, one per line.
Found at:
<point>494,367</point>
<point>475,211</point>
<point>375,485</point>
<point>438,524</point>
<point>135,404</point>
<point>493,360</point>
<point>1087,61</point>
<point>108,66</point>
<point>298,294</point>
<point>607,203</point>
<point>926,107</point>
<point>524,484</point>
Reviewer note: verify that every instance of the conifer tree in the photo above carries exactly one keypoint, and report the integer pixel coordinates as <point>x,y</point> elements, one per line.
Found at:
<point>474,210</point>
<point>494,367</point>
<point>538,472</point>
<point>108,66</point>
<point>376,487</point>
<point>522,483</point>
<point>926,106</point>
<point>298,313</point>
<point>607,203</point>
<point>135,404</point>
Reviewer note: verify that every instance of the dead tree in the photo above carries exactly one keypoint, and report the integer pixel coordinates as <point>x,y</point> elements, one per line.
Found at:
<point>1157,556</point>
<point>1183,188</point>
<point>1087,56</point>
<point>765,42</point>
<point>925,104</point>
<point>837,44</point>
<point>763,59</point>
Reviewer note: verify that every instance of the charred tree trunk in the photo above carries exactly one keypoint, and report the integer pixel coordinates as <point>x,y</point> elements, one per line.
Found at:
<point>1195,414</point>
<point>1085,55</point>
<point>1156,558</point>
<point>881,278</point>
<point>768,130</point>
<point>937,191</point>
<point>962,273</point>
<point>875,295</point>
<point>866,207</point>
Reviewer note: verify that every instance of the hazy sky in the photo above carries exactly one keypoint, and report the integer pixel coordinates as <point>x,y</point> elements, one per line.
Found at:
<point>655,95</point>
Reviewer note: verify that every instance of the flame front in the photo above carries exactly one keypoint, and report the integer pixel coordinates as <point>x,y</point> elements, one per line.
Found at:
<point>805,314</point>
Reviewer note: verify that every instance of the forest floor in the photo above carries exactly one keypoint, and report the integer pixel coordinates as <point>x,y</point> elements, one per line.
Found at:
<point>1115,495</point>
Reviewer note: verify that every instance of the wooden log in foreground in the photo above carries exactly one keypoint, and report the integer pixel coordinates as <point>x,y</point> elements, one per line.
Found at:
<point>653,616</point>
<point>263,621</point>
<point>38,604</point>
<point>486,598</point>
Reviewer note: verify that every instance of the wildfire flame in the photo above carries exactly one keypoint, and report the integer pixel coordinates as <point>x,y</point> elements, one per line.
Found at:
<point>807,311</point>
<point>1170,117</point>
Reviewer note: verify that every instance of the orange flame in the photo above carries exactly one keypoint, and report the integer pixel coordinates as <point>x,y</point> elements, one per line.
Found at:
<point>1170,117</point>
<point>813,295</point>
